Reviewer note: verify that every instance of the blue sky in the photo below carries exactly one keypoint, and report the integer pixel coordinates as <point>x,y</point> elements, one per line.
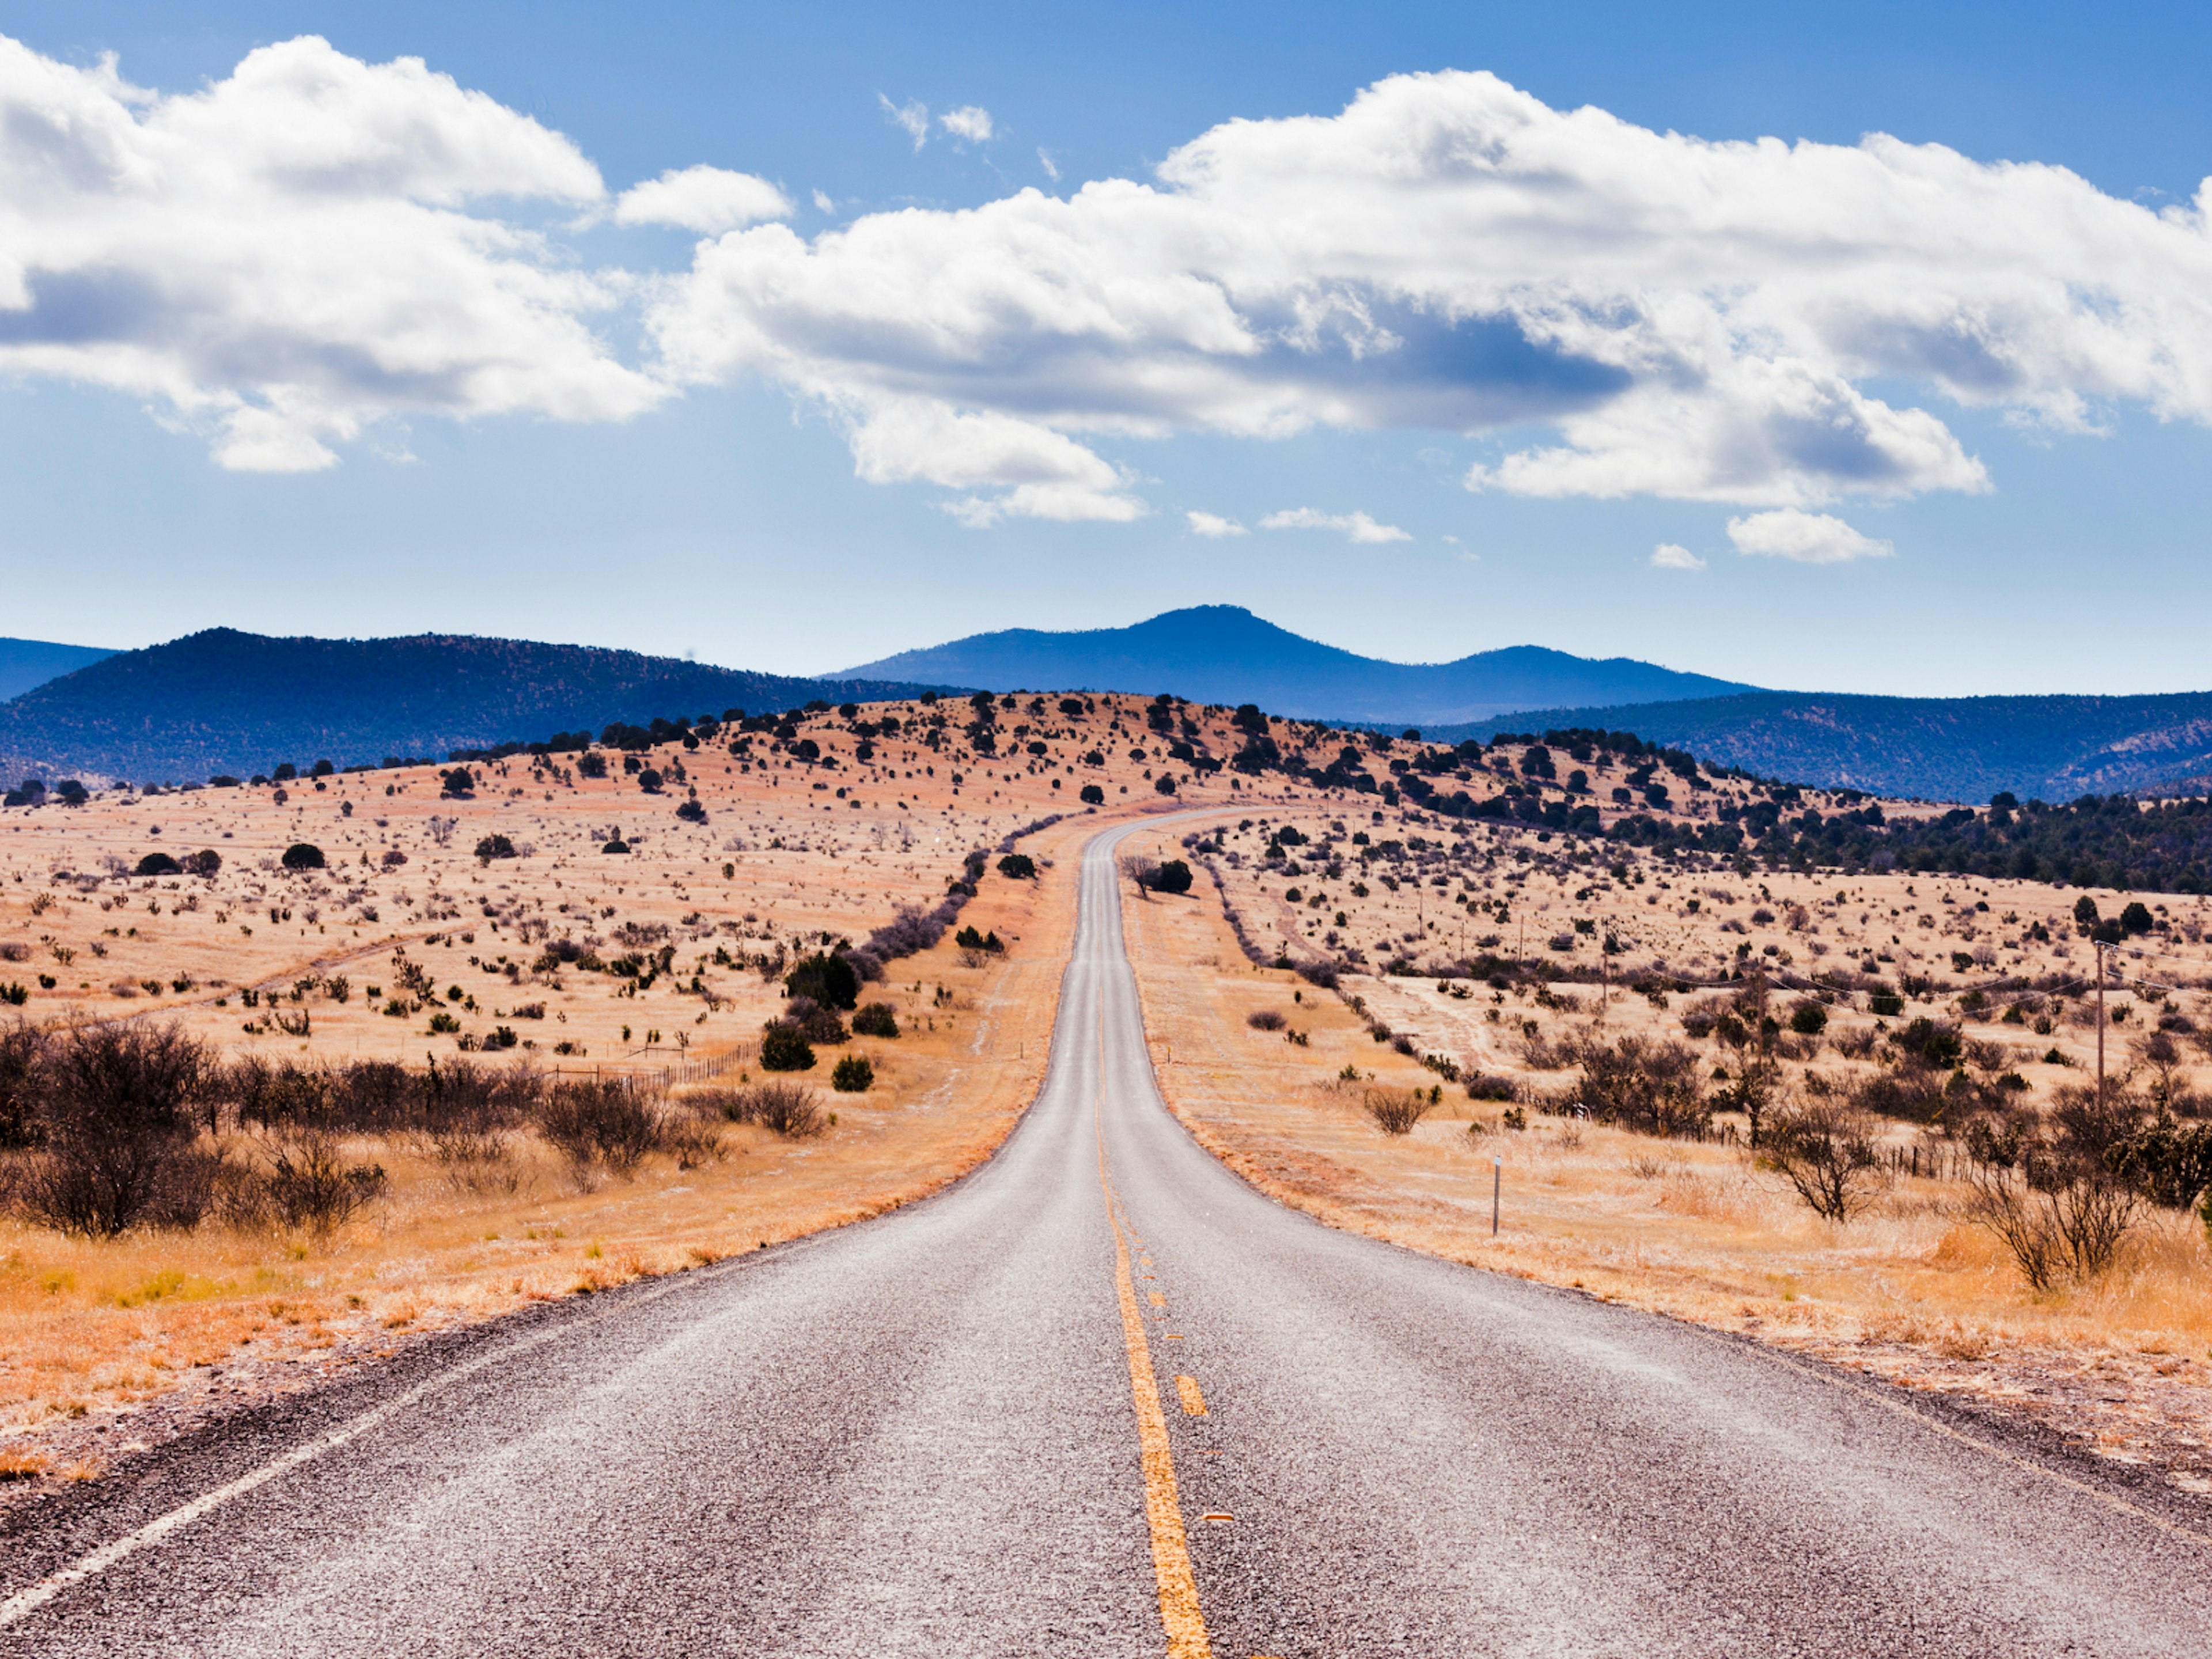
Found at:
<point>719,452</point>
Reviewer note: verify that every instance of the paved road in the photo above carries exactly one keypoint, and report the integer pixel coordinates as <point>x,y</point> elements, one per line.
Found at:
<point>960,1431</point>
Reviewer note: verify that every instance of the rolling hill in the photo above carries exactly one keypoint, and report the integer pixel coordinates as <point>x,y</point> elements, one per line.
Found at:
<point>224,701</point>
<point>28,663</point>
<point>1966,749</point>
<point>1222,653</point>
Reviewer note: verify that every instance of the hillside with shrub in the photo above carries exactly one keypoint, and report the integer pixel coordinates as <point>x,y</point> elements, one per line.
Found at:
<point>228,701</point>
<point>1964,748</point>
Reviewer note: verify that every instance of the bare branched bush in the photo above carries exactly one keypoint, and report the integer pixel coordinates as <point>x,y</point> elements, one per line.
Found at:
<point>786,1108</point>
<point>1539,1054</point>
<point>306,1184</point>
<point>1395,1111</point>
<point>22,1047</point>
<point>1825,1148</point>
<point>1266,1019</point>
<point>1650,1087</point>
<point>2056,1217</point>
<point>601,1121</point>
<point>115,1125</point>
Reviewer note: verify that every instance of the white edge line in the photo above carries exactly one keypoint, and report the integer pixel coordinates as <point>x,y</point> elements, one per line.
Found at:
<point>30,1599</point>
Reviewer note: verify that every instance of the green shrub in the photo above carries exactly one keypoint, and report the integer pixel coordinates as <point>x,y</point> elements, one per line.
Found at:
<point>158,864</point>
<point>443,1023</point>
<point>494,847</point>
<point>854,1075</point>
<point>827,978</point>
<point>877,1019</point>
<point>784,1049</point>
<point>1091,795</point>
<point>1808,1019</point>
<point>302,855</point>
<point>1018,866</point>
<point>1174,876</point>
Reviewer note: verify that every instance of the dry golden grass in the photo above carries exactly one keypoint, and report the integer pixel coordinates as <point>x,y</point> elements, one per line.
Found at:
<point>92,1330</point>
<point>793,854</point>
<point>1694,1230</point>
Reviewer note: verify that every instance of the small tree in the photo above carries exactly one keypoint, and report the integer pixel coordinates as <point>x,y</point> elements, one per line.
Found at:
<point>783,1049</point>
<point>1091,795</point>
<point>302,855</point>
<point>853,1075</point>
<point>1825,1149</point>
<point>204,863</point>
<point>158,864</point>
<point>828,979</point>
<point>877,1019</point>
<point>1173,877</point>
<point>1018,866</point>
<point>494,847</point>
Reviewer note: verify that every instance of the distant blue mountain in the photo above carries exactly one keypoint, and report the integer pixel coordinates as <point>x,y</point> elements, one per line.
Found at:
<point>1222,653</point>
<point>1966,749</point>
<point>28,663</point>
<point>222,700</point>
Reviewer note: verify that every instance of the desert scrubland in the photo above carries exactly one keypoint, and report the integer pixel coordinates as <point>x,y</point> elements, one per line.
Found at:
<point>1591,1028</point>
<point>367,1021</point>
<point>500,1038</point>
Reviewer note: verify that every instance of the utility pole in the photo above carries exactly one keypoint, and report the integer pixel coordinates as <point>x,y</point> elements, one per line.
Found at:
<point>2100,1026</point>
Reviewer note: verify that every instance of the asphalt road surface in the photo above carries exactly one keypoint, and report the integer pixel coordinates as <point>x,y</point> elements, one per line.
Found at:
<point>1103,1398</point>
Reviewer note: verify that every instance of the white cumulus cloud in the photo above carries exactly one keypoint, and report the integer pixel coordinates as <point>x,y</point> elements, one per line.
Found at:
<point>972,122</point>
<point>710,200</point>
<point>1669,555</point>
<point>1212,525</point>
<point>1805,538</point>
<point>286,256</point>
<point>1762,324</point>
<point>913,117</point>
<point>1357,527</point>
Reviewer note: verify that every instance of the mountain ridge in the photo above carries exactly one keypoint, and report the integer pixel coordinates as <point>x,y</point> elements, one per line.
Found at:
<point>1223,653</point>
<point>2057,747</point>
<point>26,665</point>
<point>226,700</point>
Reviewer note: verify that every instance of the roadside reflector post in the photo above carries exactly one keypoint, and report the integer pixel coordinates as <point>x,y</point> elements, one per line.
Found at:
<point>1497,1183</point>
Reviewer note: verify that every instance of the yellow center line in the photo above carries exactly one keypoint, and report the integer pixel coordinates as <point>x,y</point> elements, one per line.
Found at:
<point>1194,1402</point>
<point>1179,1610</point>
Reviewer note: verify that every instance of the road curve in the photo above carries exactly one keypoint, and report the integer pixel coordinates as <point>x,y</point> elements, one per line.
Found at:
<point>1103,1398</point>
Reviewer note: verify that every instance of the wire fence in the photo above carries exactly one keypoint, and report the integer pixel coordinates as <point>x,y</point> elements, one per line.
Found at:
<point>645,1066</point>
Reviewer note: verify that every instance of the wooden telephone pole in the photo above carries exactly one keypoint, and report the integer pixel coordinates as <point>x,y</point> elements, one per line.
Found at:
<point>2100,1026</point>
